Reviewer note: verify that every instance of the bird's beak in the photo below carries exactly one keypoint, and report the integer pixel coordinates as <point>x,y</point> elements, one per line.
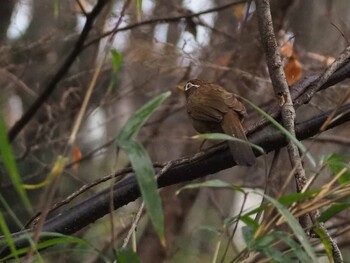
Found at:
<point>181,87</point>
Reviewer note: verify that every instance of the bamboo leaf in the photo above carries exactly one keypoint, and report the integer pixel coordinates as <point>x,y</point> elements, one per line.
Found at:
<point>141,162</point>
<point>223,136</point>
<point>284,131</point>
<point>294,225</point>
<point>10,164</point>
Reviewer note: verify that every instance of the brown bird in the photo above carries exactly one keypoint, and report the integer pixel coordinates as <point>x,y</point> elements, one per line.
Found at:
<point>212,109</point>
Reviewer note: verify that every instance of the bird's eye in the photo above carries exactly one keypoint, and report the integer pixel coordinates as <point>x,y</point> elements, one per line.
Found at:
<point>188,86</point>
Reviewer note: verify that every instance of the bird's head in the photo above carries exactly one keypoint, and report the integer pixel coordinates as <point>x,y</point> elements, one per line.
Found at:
<point>191,86</point>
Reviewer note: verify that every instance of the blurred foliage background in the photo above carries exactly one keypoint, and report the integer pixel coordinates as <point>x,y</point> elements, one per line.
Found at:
<point>221,46</point>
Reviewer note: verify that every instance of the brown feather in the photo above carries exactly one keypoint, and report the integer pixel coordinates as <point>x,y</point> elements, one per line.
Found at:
<point>214,109</point>
<point>242,153</point>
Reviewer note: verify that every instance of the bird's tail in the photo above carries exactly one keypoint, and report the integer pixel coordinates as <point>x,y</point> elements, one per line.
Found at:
<point>241,152</point>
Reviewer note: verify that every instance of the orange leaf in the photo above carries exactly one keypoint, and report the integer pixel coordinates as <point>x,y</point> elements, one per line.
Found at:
<point>224,60</point>
<point>287,49</point>
<point>238,10</point>
<point>76,158</point>
<point>293,69</point>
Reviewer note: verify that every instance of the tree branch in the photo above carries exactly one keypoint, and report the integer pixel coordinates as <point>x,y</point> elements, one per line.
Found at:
<point>48,90</point>
<point>185,169</point>
<point>166,19</point>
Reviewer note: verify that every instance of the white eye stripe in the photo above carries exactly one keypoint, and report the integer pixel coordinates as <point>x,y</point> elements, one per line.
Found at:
<point>190,85</point>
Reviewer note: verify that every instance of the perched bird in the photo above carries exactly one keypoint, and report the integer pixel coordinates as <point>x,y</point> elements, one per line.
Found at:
<point>213,109</point>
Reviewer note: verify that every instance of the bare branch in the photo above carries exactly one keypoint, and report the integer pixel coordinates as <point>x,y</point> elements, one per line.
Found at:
<point>61,72</point>
<point>164,20</point>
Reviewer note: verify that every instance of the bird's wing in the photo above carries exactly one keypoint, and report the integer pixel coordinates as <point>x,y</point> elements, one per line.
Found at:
<point>206,107</point>
<point>230,100</point>
<point>212,104</point>
<point>201,113</point>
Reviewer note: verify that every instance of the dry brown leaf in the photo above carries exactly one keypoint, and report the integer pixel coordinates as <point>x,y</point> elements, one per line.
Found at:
<point>224,60</point>
<point>287,49</point>
<point>293,69</point>
<point>238,11</point>
<point>76,157</point>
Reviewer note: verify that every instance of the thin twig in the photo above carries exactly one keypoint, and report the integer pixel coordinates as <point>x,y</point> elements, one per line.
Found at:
<point>181,170</point>
<point>282,92</point>
<point>341,61</point>
<point>61,72</point>
<point>280,84</point>
<point>81,7</point>
<point>164,20</point>
<point>134,225</point>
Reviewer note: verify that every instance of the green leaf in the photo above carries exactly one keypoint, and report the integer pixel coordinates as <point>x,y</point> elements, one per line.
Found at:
<point>210,229</point>
<point>265,245</point>
<point>263,241</point>
<point>283,130</point>
<point>215,183</point>
<point>141,162</point>
<point>338,162</point>
<point>56,8</point>
<point>298,251</point>
<point>250,222</point>
<point>259,209</point>
<point>289,199</point>
<point>145,175</point>
<point>332,211</point>
<point>10,165</point>
<point>276,255</point>
<point>53,239</point>
<point>325,241</point>
<point>8,238</point>
<point>139,9</point>
<point>126,256</point>
<point>140,117</point>
<point>56,239</point>
<point>294,225</point>
<point>223,136</point>
<point>116,63</point>
<point>248,236</point>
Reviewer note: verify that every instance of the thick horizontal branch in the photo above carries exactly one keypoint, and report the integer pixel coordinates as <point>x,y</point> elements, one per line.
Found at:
<point>200,165</point>
<point>186,169</point>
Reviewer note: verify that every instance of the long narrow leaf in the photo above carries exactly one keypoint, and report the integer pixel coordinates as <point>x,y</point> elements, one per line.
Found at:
<point>56,171</point>
<point>10,164</point>
<point>294,225</point>
<point>139,9</point>
<point>215,183</point>
<point>283,130</point>
<point>223,136</point>
<point>325,241</point>
<point>339,163</point>
<point>116,63</point>
<point>52,239</point>
<point>126,256</point>
<point>142,164</point>
<point>9,241</point>
<point>333,210</point>
<point>145,175</point>
<point>140,117</point>
<point>297,249</point>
